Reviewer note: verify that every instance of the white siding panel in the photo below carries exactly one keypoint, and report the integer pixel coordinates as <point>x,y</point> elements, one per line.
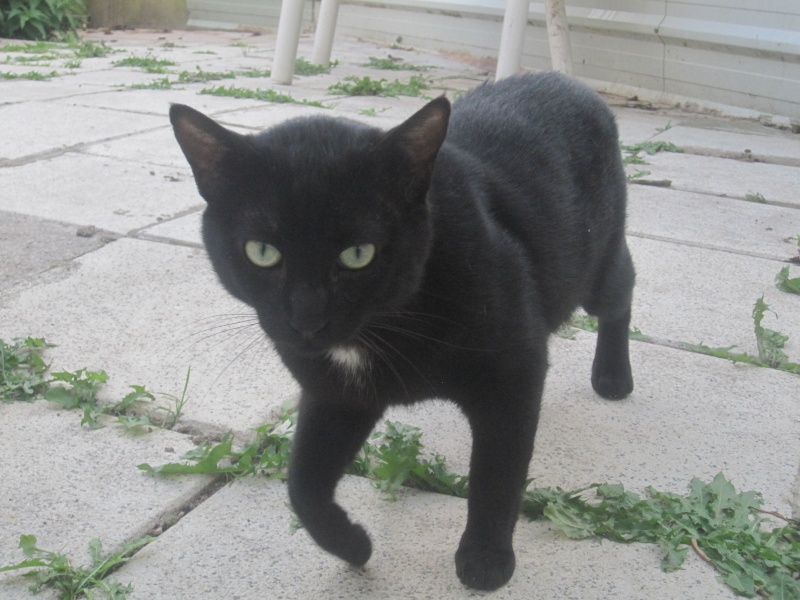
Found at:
<point>479,37</point>
<point>742,53</point>
<point>733,78</point>
<point>240,13</point>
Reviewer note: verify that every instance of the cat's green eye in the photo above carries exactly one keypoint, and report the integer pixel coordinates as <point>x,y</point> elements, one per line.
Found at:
<point>262,254</point>
<point>357,257</point>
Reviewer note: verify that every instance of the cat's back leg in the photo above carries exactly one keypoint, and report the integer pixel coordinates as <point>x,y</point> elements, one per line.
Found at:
<point>610,302</point>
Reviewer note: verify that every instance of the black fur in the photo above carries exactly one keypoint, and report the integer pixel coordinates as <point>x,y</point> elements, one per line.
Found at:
<point>491,225</point>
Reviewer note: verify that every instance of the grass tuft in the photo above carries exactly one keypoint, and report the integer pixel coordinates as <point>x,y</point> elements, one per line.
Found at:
<point>53,570</point>
<point>366,86</point>
<point>267,95</point>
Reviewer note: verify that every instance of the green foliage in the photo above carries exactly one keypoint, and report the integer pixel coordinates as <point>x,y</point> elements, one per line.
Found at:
<point>89,49</point>
<point>30,75</point>
<point>200,76</point>
<point>392,63</point>
<point>372,111</point>
<point>267,454</point>
<point>162,83</point>
<point>639,174</point>
<point>78,390</point>
<point>366,86</point>
<point>23,376</point>
<point>40,19</point>
<point>770,346</point>
<point>254,73</point>
<point>257,94</point>
<point>635,152</point>
<point>23,372</point>
<point>52,570</point>
<point>149,63</point>
<point>755,197</point>
<point>722,525</point>
<point>769,342</point>
<point>652,147</point>
<point>785,284</point>
<point>393,459</point>
<point>304,68</point>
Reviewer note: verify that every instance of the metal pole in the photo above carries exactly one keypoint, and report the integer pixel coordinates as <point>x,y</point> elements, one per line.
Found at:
<point>515,20</point>
<point>326,26</point>
<point>289,24</point>
<point>558,36</point>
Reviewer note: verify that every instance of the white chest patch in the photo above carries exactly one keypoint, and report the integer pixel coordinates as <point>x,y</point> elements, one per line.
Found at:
<point>349,358</point>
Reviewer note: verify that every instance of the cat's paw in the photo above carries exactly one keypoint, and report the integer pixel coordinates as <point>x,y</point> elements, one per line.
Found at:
<point>484,568</point>
<point>350,543</point>
<point>355,546</point>
<point>612,381</point>
<point>335,533</point>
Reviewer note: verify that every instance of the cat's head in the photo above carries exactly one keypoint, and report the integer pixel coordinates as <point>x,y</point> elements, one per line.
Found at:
<point>319,224</point>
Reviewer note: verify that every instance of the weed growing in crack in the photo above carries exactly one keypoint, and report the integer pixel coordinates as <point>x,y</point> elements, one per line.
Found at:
<point>366,86</point>
<point>53,570</point>
<point>24,376</point>
<point>786,284</point>
<point>30,75</point>
<point>755,197</point>
<point>393,63</point>
<point>150,64</point>
<point>303,68</point>
<point>726,528</point>
<point>267,95</point>
<point>770,346</point>
<point>23,371</point>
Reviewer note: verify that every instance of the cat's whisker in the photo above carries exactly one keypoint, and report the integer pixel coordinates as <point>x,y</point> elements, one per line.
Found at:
<point>421,336</point>
<point>222,333</point>
<point>374,346</point>
<point>250,342</point>
<point>400,355</point>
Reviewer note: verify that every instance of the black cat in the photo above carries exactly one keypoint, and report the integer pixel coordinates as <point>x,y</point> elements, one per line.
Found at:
<point>432,260</point>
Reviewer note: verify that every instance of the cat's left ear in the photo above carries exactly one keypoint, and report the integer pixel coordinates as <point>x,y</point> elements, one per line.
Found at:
<point>413,145</point>
<point>211,149</point>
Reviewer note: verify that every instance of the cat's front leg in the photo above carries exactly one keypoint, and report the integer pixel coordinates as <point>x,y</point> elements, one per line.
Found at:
<point>502,444</point>
<point>326,440</point>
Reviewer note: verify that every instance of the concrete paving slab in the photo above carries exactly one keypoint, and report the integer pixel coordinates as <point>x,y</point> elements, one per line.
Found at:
<point>157,102</point>
<point>713,222</point>
<point>30,246</point>
<point>53,126</point>
<point>23,91</point>
<point>637,125</point>
<point>660,436</point>
<point>67,485</point>
<point>697,295</point>
<point>244,529</point>
<point>156,146</point>
<point>109,78</point>
<point>743,139</point>
<point>184,229</point>
<point>724,177</point>
<point>266,116</point>
<point>145,312</point>
<point>107,193</point>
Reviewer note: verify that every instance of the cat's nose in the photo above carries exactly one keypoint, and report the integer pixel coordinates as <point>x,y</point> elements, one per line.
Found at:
<point>308,310</point>
<point>307,327</point>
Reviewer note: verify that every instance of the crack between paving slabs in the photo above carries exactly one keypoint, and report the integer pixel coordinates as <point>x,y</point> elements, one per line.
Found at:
<point>703,246</point>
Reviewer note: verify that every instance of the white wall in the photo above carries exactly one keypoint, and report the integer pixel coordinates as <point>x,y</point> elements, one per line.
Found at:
<point>233,14</point>
<point>740,53</point>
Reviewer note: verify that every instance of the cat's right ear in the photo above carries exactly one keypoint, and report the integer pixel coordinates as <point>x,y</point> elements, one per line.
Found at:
<point>411,148</point>
<point>208,146</point>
